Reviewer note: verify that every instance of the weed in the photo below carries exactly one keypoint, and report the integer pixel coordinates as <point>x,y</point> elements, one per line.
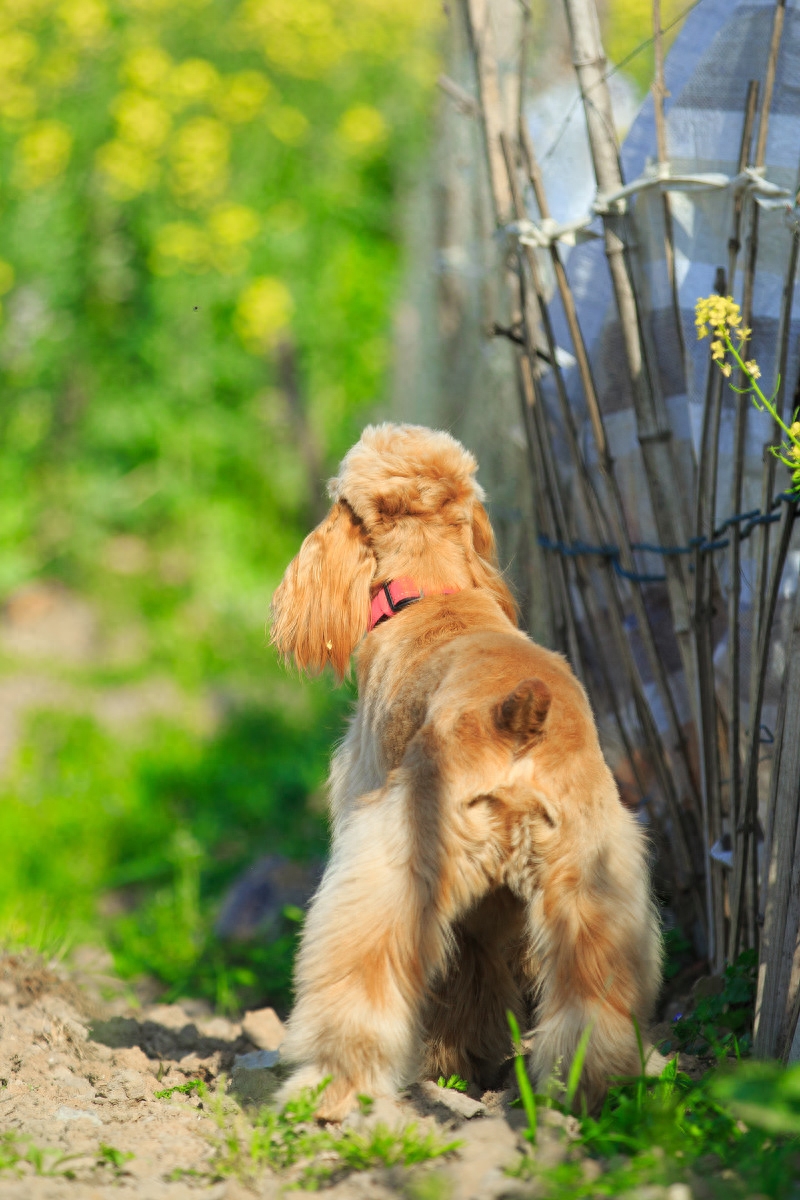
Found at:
<point>523,1082</point>
<point>185,1089</point>
<point>720,1023</point>
<point>678,952</point>
<point>455,1083</point>
<point>763,1094</point>
<point>9,1154</point>
<point>109,1156</point>
<point>665,1130</point>
<point>18,1152</point>
<point>290,1138</point>
<point>384,1147</point>
<point>579,1058</point>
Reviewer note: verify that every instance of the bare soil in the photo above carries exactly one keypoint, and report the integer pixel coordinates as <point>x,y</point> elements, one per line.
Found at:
<point>78,1083</point>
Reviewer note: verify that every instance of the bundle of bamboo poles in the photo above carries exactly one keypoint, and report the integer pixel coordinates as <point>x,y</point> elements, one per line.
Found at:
<point>728,833</point>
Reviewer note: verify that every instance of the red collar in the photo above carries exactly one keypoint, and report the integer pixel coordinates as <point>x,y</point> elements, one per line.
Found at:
<point>396,595</point>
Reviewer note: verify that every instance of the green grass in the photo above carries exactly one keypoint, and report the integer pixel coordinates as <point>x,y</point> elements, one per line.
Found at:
<point>454,1082</point>
<point>136,842</point>
<point>736,1130</point>
<point>289,1140</point>
<point>182,1089</point>
<point>19,1155</point>
<point>722,1022</point>
<point>194,196</point>
<point>672,1130</point>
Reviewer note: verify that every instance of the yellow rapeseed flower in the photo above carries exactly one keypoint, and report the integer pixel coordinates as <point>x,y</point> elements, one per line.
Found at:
<point>794,430</point>
<point>362,128</point>
<point>18,102</point>
<point>718,312</point>
<point>717,351</point>
<point>126,170</point>
<point>59,68</point>
<point>232,224</point>
<point>86,20</point>
<point>241,97</point>
<point>753,369</point>
<point>263,311</point>
<point>17,51</point>
<point>7,277</point>
<point>141,120</point>
<point>42,154</point>
<point>302,39</point>
<point>147,68</point>
<point>199,156</point>
<point>193,80</point>
<point>181,246</point>
<point>288,124</point>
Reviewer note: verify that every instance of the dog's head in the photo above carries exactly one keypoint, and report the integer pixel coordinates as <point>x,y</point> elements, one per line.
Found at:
<point>405,503</point>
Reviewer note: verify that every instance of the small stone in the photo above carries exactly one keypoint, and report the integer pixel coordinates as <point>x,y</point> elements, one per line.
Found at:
<point>76,1114</point>
<point>256,1076</point>
<point>170,1016</point>
<point>220,1029</point>
<point>264,1028</point>
<point>456,1102</point>
<point>132,1084</point>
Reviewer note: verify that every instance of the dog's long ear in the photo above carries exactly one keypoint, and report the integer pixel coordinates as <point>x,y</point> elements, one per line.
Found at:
<point>320,609</point>
<point>483,561</point>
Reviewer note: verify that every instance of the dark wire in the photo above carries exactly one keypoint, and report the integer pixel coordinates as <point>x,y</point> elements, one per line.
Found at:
<point>607,75</point>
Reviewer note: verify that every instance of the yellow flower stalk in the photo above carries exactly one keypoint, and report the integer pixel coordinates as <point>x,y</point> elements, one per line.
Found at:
<point>722,315</point>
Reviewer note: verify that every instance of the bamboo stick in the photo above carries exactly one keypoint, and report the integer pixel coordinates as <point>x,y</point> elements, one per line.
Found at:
<point>653,428</point>
<point>758,636</point>
<point>764,1016</point>
<point>550,518</point>
<point>490,109</point>
<point>787,973</point>
<point>479,22</point>
<point>616,511</point>
<point>781,552</point>
<point>705,574</point>
<point>659,95</point>
<point>599,532</point>
<point>655,435</point>
<point>742,812</point>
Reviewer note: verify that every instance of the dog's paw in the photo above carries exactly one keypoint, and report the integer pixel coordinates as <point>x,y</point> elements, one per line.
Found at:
<point>654,1062</point>
<point>336,1101</point>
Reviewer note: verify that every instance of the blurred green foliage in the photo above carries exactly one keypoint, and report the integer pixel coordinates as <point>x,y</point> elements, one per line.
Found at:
<point>628,33</point>
<point>200,203</point>
<point>193,193</point>
<point>158,830</point>
<point>187,183</point>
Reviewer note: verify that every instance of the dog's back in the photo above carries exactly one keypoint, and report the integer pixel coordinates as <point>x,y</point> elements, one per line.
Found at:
<point>481,859</point>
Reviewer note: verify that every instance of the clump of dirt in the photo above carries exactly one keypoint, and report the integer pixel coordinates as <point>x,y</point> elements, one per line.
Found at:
<point>78,1110</point>
<point>84,1114</point>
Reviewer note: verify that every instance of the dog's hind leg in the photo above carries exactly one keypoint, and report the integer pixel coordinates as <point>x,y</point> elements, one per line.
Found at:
<point>372,941</point>
<point>466,1024</point>
<point>596,945</point>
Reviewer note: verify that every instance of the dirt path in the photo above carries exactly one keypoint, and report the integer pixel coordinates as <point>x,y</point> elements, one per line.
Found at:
<point>81,1118</point>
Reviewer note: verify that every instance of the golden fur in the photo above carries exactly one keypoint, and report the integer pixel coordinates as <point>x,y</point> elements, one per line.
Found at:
<point>481,859</point>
